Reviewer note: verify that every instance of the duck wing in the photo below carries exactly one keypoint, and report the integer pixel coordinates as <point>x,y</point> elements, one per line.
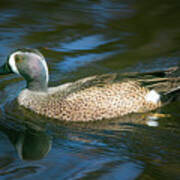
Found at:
<point>152,80</point>
<point>85,83</point>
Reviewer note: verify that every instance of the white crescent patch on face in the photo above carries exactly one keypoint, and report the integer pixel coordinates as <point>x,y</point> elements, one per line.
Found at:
<point>12,62</point>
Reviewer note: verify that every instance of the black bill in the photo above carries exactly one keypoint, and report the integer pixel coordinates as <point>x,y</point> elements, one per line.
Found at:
<point>5,69</point>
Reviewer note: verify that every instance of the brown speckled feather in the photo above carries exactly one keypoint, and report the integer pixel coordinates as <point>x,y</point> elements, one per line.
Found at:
<point>93,98</point>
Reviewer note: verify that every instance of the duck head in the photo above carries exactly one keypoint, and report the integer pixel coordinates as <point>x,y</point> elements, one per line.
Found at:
<point>31,65</point>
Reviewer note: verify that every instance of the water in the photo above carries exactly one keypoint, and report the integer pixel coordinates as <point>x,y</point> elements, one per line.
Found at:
<point>80,38</point>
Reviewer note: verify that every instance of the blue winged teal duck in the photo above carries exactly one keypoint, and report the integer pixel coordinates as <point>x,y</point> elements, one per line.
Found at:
<point>92,98</point>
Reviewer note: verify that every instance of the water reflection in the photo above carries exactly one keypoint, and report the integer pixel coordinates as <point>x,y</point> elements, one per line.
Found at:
<point>30,144</point>
<point>72,63</point>
<point>123,146</point>
<point>85,43</point>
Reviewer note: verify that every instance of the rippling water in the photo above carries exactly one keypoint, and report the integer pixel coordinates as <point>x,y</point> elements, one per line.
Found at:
<point>80,38</point>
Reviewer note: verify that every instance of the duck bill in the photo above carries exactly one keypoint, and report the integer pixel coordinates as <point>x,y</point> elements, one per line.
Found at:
<point>5,69</point>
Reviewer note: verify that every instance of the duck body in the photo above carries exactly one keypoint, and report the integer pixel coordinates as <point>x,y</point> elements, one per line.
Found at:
<point>93,103</point>
<point>93,98</point>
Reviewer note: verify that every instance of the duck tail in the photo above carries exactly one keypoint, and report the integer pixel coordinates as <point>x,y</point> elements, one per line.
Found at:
<point>168,87</point>
<point>166,83</point>
<point>172,95</point>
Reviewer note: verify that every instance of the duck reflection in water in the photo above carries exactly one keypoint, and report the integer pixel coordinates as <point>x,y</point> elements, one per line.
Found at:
<point>30,144</point>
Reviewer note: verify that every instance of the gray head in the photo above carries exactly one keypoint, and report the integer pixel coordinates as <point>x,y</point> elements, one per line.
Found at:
<point>30,64</point>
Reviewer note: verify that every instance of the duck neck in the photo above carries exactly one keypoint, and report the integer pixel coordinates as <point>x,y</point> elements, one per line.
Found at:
<point>38,86</point>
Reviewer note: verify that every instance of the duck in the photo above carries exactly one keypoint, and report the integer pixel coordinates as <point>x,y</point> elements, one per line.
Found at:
<point>89,99</point>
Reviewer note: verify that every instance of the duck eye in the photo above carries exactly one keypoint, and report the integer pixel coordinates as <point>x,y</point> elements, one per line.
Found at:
<point>18,58</point>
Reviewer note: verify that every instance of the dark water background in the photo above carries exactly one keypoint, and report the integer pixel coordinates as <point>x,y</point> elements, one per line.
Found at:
<point>80,38</point>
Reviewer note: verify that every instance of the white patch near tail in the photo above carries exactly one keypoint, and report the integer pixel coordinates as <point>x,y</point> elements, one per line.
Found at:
<point>152,96</point>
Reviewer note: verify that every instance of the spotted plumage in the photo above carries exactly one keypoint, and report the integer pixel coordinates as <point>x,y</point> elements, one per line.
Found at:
<point>93,103</point>
<point>93,98</point>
